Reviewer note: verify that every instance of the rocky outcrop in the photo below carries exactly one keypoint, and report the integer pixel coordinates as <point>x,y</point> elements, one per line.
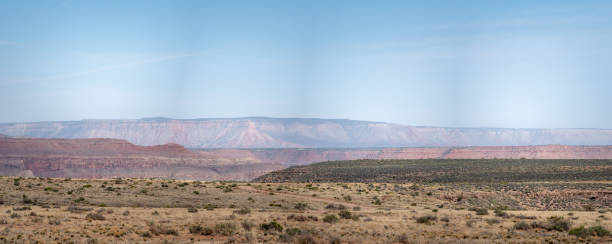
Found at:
<point>300,133</point>
<point>106,158</point>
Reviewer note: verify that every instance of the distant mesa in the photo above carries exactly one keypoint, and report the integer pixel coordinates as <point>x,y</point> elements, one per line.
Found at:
<point>107,158</point>
<point>262,132</point>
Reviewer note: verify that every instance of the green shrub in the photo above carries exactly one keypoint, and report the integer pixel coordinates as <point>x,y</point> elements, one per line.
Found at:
<point>196,229</point>
<point>242,211</point>
<point>330,219</point>
<point>345,214</point>
<point>158,229</point>
<point>480,211</point>
<point>225,229</point>
<point>95,216</point>
<point>271,226</point>
<point>522,226</point>
<point>293,231</point>
<point>426,219</point>
<point>300,206</point>
<point>591,231</point>
<point>557,224</point>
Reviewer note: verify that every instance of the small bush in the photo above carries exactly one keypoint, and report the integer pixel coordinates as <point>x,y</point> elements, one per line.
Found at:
<point>192,210</point>
<point>271,226</point>
<point>77,209</point>
<point>480,211</point>
<point>293,231</point>
<point>247,225</point>
<point>226,229</point>
<point>345,214</point>
<point>521,226</point>
<point>557,224</point>
<point>501,213</point>
<point>242,211</point>
<point>591,231</point>
<point>426,219</point>
<point>95,216</point>
<point>15,216</point>
<point>196,229</point>
<point>300,206</point>
<point>330,219</point>
<point>158,229</point>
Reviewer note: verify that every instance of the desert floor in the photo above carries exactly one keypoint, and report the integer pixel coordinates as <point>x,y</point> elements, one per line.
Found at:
<point>38,210</point>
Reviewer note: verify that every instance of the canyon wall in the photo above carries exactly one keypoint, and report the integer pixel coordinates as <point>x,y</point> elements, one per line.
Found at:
<point>107,158</point>
<point>299,133</point>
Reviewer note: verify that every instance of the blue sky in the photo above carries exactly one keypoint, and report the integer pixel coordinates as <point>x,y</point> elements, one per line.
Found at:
<point>528,64</point>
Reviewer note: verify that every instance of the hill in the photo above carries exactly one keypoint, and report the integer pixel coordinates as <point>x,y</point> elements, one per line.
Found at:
<point>445,171</point>
<point>260,132</point>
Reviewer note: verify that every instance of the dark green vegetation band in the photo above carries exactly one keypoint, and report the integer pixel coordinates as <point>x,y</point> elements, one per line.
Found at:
<point>445,171</point>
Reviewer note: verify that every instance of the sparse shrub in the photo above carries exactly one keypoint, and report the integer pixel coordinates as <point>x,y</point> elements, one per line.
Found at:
<point>77,209</point>
<point>158,229</point>
<point>300,206</point>
<point>501,213</point>
<point>493,221</point>
<point>242,211</point>
<point>525,217</point>
<point>271,226</point>
<point>376,201</point>
<point>356,208</point>
<point>247,225</point>
<point>207,231</point>
<point>444,219</point>
<point>521,226</point>
<point>480,211</point>
<point>54,221</point>
<point>335,206</point>
<point>24,208</point>
<point>15,216</point>
<point>226,229</point>
<point>155,213</point>
<point>404,239</point>
<point>345,214</point>
<point>306,239</point>
<point>293,231</point>
<point>192,210</point>
<point>557,224</point>
<point>347,198</point>
<point>48,188</point>
<point>591,231</point>
<point>331,219</point>
<point>3,222</point>
<point>126,213</point>
<point>94,216</point>
<point>210,207</point>
<point>426,219</point>
<point>196,229</point>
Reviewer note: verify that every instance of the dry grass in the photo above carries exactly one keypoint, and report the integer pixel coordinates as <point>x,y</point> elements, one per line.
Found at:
<point>249,214</point>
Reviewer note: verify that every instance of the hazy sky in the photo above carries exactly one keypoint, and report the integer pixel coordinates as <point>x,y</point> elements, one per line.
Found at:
<point>441,63</point>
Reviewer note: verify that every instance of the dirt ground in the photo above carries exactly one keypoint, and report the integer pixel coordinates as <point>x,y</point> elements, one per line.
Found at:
<point>37,210</point>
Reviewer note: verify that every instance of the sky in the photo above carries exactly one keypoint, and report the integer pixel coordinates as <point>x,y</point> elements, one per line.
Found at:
<point>512,64</point>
